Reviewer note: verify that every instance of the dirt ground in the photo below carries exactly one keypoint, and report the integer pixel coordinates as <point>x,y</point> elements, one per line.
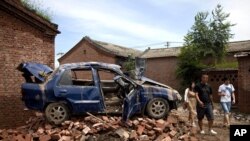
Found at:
<point>223,132</point>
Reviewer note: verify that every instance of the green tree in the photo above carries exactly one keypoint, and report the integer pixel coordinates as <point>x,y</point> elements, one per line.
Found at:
<point>220,32</point>
<point>207,38</point>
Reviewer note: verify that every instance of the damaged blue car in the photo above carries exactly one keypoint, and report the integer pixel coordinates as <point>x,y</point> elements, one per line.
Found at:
<point>94,87</point>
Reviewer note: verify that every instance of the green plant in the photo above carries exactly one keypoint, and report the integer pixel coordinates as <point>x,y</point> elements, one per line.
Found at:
<point>207,38</point>
<point>129,66</point>
<point>37,7</point>
<point>232,65</point>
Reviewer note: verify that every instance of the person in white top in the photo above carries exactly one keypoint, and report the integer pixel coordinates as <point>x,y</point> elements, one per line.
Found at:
<point>190,98</point>
<point>227,97</point>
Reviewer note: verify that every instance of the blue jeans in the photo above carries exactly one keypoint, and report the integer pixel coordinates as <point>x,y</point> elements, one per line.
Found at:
<point>226,106</point>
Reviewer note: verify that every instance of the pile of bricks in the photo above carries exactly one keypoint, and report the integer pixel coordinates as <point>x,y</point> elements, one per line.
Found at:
<point>94,127</point>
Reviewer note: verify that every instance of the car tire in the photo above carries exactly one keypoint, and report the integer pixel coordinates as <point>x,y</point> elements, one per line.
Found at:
<point>157,108</point>
<point>57,113</point>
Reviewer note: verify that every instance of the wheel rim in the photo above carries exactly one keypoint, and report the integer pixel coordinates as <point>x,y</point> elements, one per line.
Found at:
<point>57,113</point>
<point>158,108</point>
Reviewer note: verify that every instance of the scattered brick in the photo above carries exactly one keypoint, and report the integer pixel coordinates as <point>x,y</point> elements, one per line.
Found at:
<point>172,133</point>
<point>65,138</point>
<point>143,138</point>
<point>167,139</point>
<point>105,118</point>
<point>40,130</point>
<point>159,130</point>
<point>133,135</point>
<point>44,138</point>
<point>135,122</point>
<point>161,137</point>
<point>48,127</point>
<point>193,138</point>
<point>151,133</point>
<point>140,129</point>
<point>86,130</point>
<point>122,133</point>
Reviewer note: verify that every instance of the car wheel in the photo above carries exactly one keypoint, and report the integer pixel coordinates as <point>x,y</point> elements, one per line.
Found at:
<point>57,113</point>
<point>157,108</point>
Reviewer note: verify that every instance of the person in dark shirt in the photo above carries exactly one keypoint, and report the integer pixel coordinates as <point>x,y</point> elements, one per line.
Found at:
<point>204,104</point>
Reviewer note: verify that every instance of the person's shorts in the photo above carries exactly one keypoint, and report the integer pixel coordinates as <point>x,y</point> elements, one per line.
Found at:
<point>226,106</point>
<point>207,111</point>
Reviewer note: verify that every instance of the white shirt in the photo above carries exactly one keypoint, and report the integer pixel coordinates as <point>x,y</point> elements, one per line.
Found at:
<point>227,90</point>
<point>186,95</point>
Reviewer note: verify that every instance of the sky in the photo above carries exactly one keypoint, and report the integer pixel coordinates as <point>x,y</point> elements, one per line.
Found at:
<point>137,24</point>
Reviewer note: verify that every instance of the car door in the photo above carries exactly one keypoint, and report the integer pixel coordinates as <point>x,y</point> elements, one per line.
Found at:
<point>83,98</point>
<point>131,104</point>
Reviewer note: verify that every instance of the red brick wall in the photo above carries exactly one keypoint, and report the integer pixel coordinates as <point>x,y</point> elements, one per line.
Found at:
<point>216,79</point>
<point>86,52</point>
<point>163,70</point>
<point>19,42</point>
<point>244,84</point>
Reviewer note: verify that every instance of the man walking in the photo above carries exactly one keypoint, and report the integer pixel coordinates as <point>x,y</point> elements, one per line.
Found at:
<point>204,104</point>
<point>226,93</point>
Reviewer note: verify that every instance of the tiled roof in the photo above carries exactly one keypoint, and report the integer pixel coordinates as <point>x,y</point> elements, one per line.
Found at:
<point>107,47</point>
<point>234,47</point>
<point>239,46</point>
<point>161,52</point>
<point>117,50</point>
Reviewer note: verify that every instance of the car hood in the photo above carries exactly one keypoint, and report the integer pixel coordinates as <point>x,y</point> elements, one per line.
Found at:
<point>145,80</point>
<point>36,69</point>
<point>152,87</point>
<point>172,94</point>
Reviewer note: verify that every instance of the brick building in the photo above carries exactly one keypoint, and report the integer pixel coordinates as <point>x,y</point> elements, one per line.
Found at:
<point>24,36</point>
<point>244,81</point>
<point>88,49</point>
<point>161,63</point>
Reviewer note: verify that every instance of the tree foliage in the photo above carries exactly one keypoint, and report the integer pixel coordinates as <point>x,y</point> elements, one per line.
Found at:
<point>207,38</point>
<point>129,66</point>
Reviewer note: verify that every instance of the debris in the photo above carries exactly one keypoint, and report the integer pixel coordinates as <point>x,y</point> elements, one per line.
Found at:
<point>133,135</point>
<point>86,130</point>
<point>167,139</point>
<point>100,127</point>
<point>144,138</point>
<point>122,133</point>
<point>65,138</point>
<point>140,129</point>
<point>100,120</point>
<point>172,133</point>
<point>44,138</point>
<point>135,122</point>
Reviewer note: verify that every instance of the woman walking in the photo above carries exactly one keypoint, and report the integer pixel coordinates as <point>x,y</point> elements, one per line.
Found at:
<point>190,99</point>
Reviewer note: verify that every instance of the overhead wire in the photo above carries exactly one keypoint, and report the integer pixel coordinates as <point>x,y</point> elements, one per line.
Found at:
<point>166,43</point>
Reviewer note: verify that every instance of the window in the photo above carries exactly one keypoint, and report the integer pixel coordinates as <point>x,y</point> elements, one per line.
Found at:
<point>106,74</point>
<point>78,77</point>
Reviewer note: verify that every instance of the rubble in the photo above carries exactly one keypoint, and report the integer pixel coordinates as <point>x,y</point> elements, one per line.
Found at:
<point>98,127</point>
<point>122,133</point>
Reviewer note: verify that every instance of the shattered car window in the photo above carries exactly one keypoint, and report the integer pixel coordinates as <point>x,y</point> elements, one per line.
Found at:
<point>66,78</point>
<point>77,77</point>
